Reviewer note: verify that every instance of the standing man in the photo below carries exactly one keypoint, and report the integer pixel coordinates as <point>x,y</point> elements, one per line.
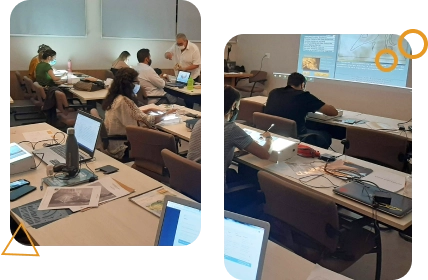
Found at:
<point>186,57</point>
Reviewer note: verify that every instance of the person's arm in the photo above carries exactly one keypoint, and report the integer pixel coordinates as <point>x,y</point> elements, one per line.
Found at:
<point>155,80</point>
<point>196,62</point>
<point>262,152</point>
<point>53,77</point>
<point>170,53</point>
<point>328,110</point>
<point>243,141</point>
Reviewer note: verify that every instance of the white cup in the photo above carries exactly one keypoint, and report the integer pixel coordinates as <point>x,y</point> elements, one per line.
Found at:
<point>108,82</point>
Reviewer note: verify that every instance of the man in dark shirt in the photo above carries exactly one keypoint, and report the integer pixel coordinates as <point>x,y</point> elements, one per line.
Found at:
<point>293,102</point>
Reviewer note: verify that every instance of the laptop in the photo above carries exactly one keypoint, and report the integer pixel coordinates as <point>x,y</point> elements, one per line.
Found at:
<point>364,192</point>
<point>86,129</point>
<point>245,241</point>
<point>179,223</point>
<point>182,79</point>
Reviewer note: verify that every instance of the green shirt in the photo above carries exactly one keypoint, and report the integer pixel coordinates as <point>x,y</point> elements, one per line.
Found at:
<point>42,76</point>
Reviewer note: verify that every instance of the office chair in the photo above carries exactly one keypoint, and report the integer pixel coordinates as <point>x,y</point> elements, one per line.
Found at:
<point>35,101</point>
<point>258,83</point>
<point>283,126</point>
<point>308,224</point>
<point>109,74</point>
<point>246,110</point>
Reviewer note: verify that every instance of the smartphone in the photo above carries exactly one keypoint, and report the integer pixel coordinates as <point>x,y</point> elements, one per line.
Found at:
<point>18,183</point>
<point>15,194</point>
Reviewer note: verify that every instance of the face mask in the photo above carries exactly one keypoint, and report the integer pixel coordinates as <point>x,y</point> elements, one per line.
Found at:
<point>53,62</point>
<point>136,89</point>
<point>181,47</point>
<point>235,113</point>
<point>150,62</point>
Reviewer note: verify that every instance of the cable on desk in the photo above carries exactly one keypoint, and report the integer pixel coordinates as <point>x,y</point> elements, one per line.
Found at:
<point>41,160</point>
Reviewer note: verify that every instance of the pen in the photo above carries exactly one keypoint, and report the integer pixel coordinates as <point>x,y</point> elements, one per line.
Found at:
<point>41,184</point>
<point>267,130</point>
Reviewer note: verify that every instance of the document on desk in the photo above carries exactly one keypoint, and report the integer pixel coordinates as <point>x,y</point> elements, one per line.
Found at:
<point>377,126</point>
<point>110,190</point>
<point>386,180</point>
<point>37,136</point>
<point>68,197</point>
<point>321,273</point>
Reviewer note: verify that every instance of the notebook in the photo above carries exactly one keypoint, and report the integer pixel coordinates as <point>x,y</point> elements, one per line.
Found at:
<point>363,193</point>
<point>179,222</point>
<point>182,79</point>
<point>245,241</point>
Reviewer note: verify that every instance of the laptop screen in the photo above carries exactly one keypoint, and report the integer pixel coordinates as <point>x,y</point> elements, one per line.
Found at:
<point>181,225</point>
<point>242,248</point>
<point>183,77</point>
<point>86,131</point>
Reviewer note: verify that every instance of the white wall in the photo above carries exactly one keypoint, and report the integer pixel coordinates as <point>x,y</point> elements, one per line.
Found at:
<point>284,50</point>
<point>92,52</point>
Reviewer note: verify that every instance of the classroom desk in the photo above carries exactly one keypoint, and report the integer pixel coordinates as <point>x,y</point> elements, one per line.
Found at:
<point>118,222</point>
<point>11,100</point>
<point>190,97</point>
<point>180,130</point>
<point>337,128</point>
<point>230,78</point>
<point>281,263</point>
<point>91,97</point>
<point>276,169</point>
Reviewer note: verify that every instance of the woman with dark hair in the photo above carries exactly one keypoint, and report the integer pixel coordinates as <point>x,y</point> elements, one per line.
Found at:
<point>33,63</point>
<point>44,72</point>
<point>121,62</point>
<point>236,137</point>
<point>121,111</point>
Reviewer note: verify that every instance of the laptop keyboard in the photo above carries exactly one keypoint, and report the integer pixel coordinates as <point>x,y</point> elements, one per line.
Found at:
<point>55,162</point>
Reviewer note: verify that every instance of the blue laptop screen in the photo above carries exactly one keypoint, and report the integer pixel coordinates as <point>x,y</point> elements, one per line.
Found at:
<point>183,77</point>
<point>181,225</point>
<point>242,248</point>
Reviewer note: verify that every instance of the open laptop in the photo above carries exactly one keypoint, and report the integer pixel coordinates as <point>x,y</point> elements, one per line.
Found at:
<point>364,192</point>
<point>245,241</point>
<point>179,223</point>
<point>86,129</point>
<point>182,79</point>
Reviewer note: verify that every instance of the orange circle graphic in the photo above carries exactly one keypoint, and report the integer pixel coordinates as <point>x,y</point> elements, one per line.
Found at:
<point>400,43</point>
<point>392,67</point>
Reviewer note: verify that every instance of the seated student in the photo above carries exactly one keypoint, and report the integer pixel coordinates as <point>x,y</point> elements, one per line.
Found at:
<point>120,62</point>
<point>195,143</point>
<point>35,61</point>
<point>236,137</point>
<point>150,81</point>
<point>121,111</point>
<point>44,73</point>
<point>293,102</point>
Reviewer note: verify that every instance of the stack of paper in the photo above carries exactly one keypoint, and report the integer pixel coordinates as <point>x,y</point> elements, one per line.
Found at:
<point>79,198</point>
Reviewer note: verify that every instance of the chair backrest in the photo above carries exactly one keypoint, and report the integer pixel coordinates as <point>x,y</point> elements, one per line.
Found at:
<point>246,110</point>
<point>28,84</point>
<point>258,76</point>
<point>377,147</point>
<point>19,78</point>
<point>39,90</point>
<point>147,145</point>
<point>109,74</point>
<point>184,174</point>
<point>283,126</point>
<point>305,211</point>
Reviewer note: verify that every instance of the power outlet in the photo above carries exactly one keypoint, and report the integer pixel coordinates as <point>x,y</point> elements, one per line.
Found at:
<point>267,55</point>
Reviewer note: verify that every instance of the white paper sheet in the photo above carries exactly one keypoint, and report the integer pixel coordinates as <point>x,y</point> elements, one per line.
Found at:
<point>321,273</point>
<point>376,125</point>
<point>110,190</point>
<point>386,180</point>
<point>67,197</point>
<point>36,136</point>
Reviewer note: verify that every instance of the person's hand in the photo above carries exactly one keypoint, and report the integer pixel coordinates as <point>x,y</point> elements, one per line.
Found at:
<point>266,135</point>
<point>171,111</point>
<point>147,111</point>
<point>168,55</point>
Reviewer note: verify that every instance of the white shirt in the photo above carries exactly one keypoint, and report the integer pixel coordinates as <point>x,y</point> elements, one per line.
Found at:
<point>150,81</point>
<point>190,56</point>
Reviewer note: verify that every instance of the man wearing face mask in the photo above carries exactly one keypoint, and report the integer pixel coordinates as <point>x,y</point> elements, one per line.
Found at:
<point>44,72</point>
<point>152,84</point>
<point>186,57</point>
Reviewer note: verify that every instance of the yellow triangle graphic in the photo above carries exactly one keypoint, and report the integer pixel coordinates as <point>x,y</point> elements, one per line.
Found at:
<point>29,238</point>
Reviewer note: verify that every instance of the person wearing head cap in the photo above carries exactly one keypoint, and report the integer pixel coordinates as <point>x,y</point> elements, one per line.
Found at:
<point>33,63</point>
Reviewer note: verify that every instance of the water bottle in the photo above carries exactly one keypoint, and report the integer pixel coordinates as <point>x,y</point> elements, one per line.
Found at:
<point>71,153</point>
<point>190,83</point>
<point>69,66</point>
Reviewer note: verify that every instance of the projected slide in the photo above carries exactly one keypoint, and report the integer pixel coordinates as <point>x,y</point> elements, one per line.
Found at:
<point>351,57</point>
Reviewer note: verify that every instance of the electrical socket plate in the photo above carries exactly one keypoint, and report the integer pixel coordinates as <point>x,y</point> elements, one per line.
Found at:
<point>267,55</point>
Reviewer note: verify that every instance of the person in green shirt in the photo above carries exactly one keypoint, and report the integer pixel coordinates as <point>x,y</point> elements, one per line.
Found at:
<point>44,73</point>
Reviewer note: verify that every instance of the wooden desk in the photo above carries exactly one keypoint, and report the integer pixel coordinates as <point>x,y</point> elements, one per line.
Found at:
<point>276,169</point>
<point>189,96</point>
<point>230,78</point>
<point>180,130</point>
<point>338,129</point>
<point>118,222</point>
<point>91,97</point>
<point>11,100</point>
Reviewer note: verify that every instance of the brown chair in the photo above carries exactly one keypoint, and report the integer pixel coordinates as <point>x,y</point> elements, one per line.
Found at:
<point>146,147</point>
<point>246,110</point>
<point>27,95</point>
<point>283,126</point>
<point>36,101</point>
<point>309,224</point>
<point>184,174</point>
<point>254,84</point>
<point>109,74</point>
<point>375,146</point>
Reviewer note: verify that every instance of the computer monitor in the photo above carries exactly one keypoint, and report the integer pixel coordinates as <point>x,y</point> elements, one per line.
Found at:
<point>183,77</point>
<point>179,223</point>
<point>86,129</point>
<point>245,241</point>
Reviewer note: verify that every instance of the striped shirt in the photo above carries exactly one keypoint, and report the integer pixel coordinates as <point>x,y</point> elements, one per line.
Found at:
<point>195,143</point>
<point>234,137</point>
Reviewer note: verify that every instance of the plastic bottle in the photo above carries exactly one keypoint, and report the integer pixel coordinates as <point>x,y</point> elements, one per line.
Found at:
<point>408,186</point>
<point>71,153</point>
<point>190,83</point>
<point>69,66</point>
